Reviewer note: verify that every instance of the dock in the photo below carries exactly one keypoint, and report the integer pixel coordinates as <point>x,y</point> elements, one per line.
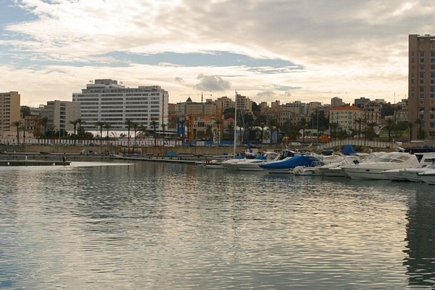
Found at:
<point>33,163</point>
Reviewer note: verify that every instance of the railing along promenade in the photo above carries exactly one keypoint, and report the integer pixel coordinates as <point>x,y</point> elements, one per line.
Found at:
<point>358,142</point>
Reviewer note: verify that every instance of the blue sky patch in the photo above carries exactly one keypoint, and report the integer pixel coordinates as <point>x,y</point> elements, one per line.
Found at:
<point>218,59</point>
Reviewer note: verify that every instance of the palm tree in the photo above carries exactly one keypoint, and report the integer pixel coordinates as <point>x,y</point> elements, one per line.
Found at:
<point>209,132</point>
<point>391,123</point>
<point>101,125</point>
<point>107,127</point>
<point>218,125</point>
<point>74,123</point>
<point>163,129</point>
<point>231,129</point>
<point>303,124</point>
<point>144,130</point>
<point>154,124</point>
<point>421,133</point>
<point>17,124</point>
<point>135,129</point>
<point>359,122</point>
<point>23,128</point>
<point>44,124</point>
<point>129,124</point>
<point>410,127</point>
<point>333,129</point>
<point>79,129</point>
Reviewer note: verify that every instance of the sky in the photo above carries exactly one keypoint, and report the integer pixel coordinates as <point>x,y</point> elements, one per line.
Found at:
<point>267,50</point>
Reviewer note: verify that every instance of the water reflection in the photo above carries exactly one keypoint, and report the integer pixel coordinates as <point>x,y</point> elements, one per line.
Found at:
<point>420,230</point>
<point>153,225</point>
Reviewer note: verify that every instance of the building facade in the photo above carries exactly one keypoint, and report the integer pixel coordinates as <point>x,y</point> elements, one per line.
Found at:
<point>346,117</point>
<point>105,100</point>
<point>59,115</point>
<point>9,113</point>
<point>421,83</point>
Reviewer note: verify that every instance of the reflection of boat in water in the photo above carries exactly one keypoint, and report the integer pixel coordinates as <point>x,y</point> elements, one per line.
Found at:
<point>211,164</point>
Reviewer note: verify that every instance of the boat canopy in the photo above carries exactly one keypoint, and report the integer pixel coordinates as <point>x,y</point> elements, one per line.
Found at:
<point>289,163</point>
<point>348,150</point>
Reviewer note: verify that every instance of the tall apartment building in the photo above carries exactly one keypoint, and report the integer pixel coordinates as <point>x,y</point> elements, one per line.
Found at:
<point>243,103</point>
<point>421,82</point>
<point>223,103</point>
<point>361,102</point>
<point>336,101</point>
<point>372,112</point>
<point>60,114</point>
<point>9,113</point>
<point>107,101</point>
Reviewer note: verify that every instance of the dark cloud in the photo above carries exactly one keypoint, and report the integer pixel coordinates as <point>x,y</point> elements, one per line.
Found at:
<point>212,83</point>
<point>179,80</point>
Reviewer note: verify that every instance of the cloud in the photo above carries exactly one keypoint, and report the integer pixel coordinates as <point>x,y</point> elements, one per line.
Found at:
<point>212,83</point>
<point>266,95</point>
<point>309,48</point>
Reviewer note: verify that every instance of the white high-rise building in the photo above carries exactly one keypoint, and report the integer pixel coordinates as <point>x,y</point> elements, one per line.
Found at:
<point>107,101</point>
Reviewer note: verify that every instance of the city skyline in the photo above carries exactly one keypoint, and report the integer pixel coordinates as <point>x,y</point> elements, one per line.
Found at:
<point>266,50</point>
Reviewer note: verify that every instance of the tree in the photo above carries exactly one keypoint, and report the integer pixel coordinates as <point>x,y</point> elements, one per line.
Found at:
<point>44,124</point>
<point>129,123</point>
<point>107,127</point>
<point>303,124</point>
<point>209,132</point>
<point>23,128</point>
<point>410,129</point>
<point>421,133</point>
<point>219,131</point>
<point>333,130</point>
<point>135,129</point>
<point>17,124</point>
<point>154,125</point>
<point>74,123</point>
<point>359,122</point>
<point>144,130</point>
<point>100,125</point>
<point>230,129</point>
<point>391,123</point>
<point>163,129</point>
<point>25,111</point>
<point>80,130</point>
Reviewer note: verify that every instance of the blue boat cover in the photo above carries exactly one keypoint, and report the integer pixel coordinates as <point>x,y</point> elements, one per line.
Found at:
<point>348,150</point>
<point>307,161</point>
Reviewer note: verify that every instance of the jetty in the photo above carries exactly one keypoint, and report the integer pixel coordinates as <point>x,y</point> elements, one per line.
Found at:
<point>33,163</point>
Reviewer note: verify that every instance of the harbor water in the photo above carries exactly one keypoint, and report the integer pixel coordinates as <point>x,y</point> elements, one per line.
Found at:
<point>177,226</point>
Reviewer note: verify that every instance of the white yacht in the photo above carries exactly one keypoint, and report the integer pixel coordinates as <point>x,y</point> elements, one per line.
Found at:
<point>428,176</point>
<point>412,174</point>
<point>373,167</point>
<point>334,169</point>
<point>252,164</point>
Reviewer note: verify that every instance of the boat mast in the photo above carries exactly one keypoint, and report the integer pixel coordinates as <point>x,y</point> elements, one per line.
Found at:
<point>235,125</point>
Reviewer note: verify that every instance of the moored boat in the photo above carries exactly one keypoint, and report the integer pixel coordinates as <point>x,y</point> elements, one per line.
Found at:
<point>375,165</point>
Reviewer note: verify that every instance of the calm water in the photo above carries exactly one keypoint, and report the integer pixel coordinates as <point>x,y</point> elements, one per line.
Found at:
<point>170,226</point>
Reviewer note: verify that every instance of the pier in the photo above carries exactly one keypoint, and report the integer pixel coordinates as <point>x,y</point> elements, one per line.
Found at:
<point>33,163</point>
